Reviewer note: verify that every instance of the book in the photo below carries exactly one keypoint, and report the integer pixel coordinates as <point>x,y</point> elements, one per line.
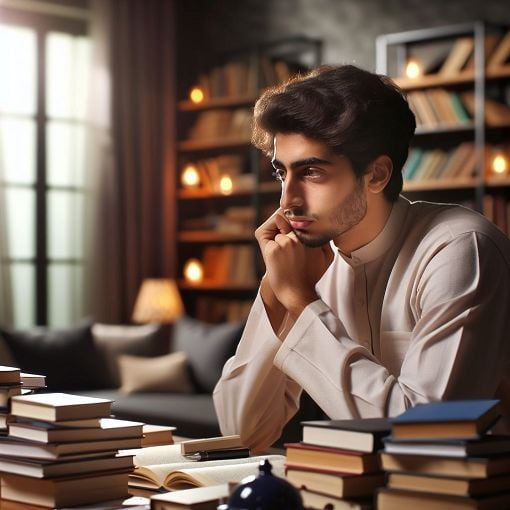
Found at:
<point>319,501</point>
<point>461,51</point>
<point>7,392</point>
<point>109,428</point>
<point>449,485</point>
<point>500,54</point>
<point>65,491</point>
<point>393,499</point>
<point>360,435</point>
<point>32,381</point>
<point>11,447</point>
<point>164,467</point>
<point>349,461</point>
<point>154,435</point>
<point>45,469</point>
<point>211,443</point>
<point>199,498</point>
<point>78,424</point>
<point>458,419</point>
<point>9,375</point>
<point>335,483</point>
<point>60,406</point>
<point>486,445</point>
<point>469,467</point>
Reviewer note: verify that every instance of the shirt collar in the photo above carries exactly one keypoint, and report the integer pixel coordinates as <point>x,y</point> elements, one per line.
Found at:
<point>384,239</point>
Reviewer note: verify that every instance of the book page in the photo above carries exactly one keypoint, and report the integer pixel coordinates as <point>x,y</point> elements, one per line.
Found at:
<point>162,454</point>
<point>213,475</point>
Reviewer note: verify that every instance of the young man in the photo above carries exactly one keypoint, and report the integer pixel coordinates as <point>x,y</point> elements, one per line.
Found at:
<point>370,303</point>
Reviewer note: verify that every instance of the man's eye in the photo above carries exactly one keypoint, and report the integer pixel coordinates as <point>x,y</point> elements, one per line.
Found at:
<point>312,172</point>
<point>279,175</point>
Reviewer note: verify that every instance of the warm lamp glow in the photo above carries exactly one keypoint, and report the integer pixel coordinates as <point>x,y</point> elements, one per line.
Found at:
<point>226,185</point>
<point>193,271</point>
<point>158,301</point>
<point>413,69</point>
<point>190,178</point>
<point>196,95</point>
<point>499,164</point>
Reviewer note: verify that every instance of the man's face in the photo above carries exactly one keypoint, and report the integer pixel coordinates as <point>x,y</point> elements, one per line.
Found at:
<point>321,197</point>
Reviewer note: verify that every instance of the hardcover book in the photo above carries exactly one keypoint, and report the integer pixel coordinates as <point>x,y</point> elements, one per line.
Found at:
<point>348,461</point>
<point>460,419</point>
<point>60,406</point>
<point>211,443</point>
<point>9,375</point>
<point>360,435</point>
<point>200,498</point>
<point>317,500</point>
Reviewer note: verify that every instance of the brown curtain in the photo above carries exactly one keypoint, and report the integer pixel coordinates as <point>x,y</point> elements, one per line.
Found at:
<point>133,232</point>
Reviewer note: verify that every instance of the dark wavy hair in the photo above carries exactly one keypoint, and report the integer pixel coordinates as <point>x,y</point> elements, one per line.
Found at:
<point>354,112</point>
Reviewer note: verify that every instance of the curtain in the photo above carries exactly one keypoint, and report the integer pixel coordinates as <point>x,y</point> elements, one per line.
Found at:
<point>132,169</point>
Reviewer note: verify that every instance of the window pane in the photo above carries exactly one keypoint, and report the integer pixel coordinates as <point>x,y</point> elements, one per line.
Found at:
<point>66,154</point>
<point>23,290</point>
<point>20,222</point>
<point>67,75</point>
<point>17,142</point>
<point>18,65</point>
<point>65,286</point>
<point>65,224</point>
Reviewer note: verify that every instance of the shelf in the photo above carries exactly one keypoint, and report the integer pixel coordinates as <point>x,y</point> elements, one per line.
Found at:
<point>497,181</point>
<point>211,236</point>
<point>193,194</point>
<point>214,286</point>
<point>217,102</point>
<point>212,143</point>
<point>436,80</point>
<point>439,184</point>
<point>444,129</point>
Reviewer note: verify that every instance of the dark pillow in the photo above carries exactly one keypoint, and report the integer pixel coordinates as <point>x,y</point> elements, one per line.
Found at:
<point>208,346</point>
<point>113,340</point>
<point>67,357</point>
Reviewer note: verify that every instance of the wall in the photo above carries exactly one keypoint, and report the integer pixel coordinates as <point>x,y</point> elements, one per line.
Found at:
<point>347,27</point>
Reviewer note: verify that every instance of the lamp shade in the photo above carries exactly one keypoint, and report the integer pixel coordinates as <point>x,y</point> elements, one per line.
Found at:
<point>158,301</point>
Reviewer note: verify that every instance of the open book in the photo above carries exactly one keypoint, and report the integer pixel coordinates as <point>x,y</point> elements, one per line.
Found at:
<point>165,468</point>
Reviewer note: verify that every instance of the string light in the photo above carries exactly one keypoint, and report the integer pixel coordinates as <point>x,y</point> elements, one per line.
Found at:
<point>413,69</point>
<point>196,95</point>
<point>226,185</point>
<point>190,178</point>
<point>193,271</point>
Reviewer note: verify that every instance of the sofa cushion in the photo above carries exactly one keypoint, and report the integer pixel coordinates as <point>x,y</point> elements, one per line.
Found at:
<point>162,373</point>
<point>113,340</point>
<point>67,357</point>
<point>208,346</point>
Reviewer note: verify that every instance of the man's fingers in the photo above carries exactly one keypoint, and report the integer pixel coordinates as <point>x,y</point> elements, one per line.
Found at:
<point>281,222</point>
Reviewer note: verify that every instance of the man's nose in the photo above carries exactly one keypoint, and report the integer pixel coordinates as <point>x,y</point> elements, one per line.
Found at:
<point>291,194</point>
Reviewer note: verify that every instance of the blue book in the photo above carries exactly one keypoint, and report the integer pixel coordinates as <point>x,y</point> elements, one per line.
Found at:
<point>461,419</point>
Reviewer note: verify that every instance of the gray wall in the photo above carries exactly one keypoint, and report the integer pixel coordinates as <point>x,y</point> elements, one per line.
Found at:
<point>347,27</point>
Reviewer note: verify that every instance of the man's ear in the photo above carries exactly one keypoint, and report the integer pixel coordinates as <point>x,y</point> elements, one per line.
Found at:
<point>379,174</point>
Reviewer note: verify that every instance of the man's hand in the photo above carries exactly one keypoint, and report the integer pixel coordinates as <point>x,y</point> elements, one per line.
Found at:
<point>292,269</point>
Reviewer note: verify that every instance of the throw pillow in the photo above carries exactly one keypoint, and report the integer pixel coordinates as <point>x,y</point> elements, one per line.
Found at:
<point>114,340</point>
<point>168,373</point>
<point>67,357</point>
<point>208,346</point>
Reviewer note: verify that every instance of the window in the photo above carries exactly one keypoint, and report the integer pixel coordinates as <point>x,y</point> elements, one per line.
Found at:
<point>44,63</point>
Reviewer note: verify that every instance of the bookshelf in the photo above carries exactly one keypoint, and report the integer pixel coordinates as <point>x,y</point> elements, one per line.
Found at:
<point>457,80</point>
<point>229,188</point>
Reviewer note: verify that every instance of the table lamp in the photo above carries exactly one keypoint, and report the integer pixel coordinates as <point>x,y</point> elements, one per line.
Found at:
<point>158,301</point>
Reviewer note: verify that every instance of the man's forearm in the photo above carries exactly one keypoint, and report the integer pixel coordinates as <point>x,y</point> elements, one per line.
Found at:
<point>276,312</point>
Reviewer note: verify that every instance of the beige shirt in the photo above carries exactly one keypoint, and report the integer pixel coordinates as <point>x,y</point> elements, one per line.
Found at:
<point>419,314</point>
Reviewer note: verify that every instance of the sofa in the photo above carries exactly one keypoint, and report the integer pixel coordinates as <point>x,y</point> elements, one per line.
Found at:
<point>152,374</point>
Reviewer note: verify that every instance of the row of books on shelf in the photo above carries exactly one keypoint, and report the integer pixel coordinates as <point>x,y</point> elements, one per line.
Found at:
<point>245,77</point>
<point>211,171</point>
<point>214,310</point>
<point>459,56</point>
<point>234,220</point>
<point>440,108</point>
<point>222,123</point>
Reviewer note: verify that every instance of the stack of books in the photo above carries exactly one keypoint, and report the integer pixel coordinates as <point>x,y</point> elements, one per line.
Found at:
<point>10,386</point>
<point>62,450</point>
<point>440,455</point>
<point>336,463</point>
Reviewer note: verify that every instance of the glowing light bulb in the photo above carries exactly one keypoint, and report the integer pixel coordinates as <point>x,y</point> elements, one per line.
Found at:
<point>413,69</point>
<point>190,178</point>
<point>499,164</point>
<point>226,185</point>
<point>193,271</point>
<point>196,95</point>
